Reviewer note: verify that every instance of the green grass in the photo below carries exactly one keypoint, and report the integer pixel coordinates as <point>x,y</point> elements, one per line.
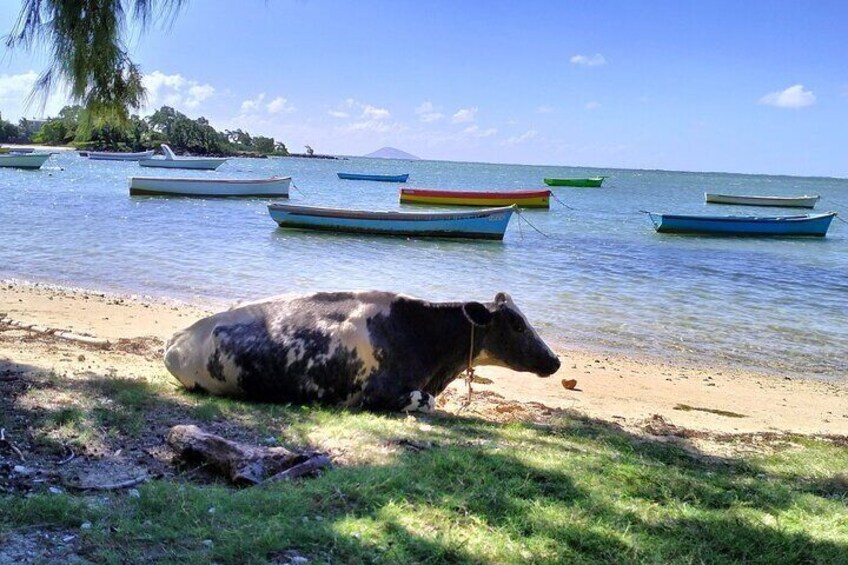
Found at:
<point>573,491</point>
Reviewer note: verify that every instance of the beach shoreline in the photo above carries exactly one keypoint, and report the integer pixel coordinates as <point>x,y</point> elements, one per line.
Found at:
<point>623,389</point>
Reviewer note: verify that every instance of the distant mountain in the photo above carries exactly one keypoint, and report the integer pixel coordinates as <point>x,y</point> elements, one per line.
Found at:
<point>392,153</point>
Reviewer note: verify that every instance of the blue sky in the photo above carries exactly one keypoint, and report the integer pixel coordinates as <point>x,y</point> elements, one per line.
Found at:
<point>758,87</point>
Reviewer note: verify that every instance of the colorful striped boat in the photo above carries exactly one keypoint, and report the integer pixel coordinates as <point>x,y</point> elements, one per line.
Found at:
<point>806,224</point>
<point>381,178</point>
<point>804,201</point>
<point>521,198</point>
<point>593,182</point>
<point>488,223</point>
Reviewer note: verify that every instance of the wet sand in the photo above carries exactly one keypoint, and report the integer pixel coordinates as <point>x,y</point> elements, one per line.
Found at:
<point>622,389</point>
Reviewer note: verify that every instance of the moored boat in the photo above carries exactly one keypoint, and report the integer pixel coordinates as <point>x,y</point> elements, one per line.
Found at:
<point>24,160</point>
<point>805,224</point>
<point>115,156</point>
<point>381,178</point>
<point>521,198</point>
<point>805,201</point>
<point>592,182</point>
<point>5,150</point>
<point>277,187</point>
<point>487,223</point>
<point>171,161</point>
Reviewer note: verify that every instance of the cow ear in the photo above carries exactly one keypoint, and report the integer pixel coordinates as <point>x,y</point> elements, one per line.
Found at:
<point>477,314</point>
<point>502,298</point>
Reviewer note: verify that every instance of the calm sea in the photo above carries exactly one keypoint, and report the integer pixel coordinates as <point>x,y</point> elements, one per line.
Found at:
<point>597,277</point>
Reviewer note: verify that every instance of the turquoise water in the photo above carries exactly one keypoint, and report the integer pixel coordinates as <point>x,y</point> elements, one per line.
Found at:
<point>598,277</point>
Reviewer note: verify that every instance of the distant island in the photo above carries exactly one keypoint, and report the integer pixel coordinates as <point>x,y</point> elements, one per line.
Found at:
<point>392,153</point>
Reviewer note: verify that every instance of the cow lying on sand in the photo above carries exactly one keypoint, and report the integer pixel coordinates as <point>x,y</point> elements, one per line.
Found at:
<point>375,350</point>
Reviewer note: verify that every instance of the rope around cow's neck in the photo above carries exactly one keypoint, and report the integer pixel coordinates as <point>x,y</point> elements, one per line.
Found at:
<point>469,371</point>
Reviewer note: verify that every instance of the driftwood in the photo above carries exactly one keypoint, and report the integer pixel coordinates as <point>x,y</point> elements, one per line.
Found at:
<point>242,464</point>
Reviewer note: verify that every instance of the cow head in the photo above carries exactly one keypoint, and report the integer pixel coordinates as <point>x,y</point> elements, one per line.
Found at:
<point>509,340</point>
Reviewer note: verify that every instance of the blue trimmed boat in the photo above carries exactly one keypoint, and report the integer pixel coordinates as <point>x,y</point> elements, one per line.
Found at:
<point>488,223</point>
<point>381,178</point>
<point>805,224</point>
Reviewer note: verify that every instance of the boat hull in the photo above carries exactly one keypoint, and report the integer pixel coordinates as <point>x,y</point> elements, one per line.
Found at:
<point>24,160</point>
<point>593,182</point>
<point>184,163</point>
<point>523,199</point>
<point>778,201</point>
<point>111,156</point>
<point>489,223</point>
<point>210,188</point>
<point>380,178</point>
<point>815,225</point>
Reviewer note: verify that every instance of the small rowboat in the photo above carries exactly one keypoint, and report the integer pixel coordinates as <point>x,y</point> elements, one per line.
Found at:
<point>522,198</point>
<point>5,150</point>
<point>210,188</point>
<point>806,224</point>
<point>171,161</point>
<point>488,223</point>
<point>593,182</point>
<point>114,156</point>
<point>783,201</point>
<point>24,160</point>
<point>381,178</point>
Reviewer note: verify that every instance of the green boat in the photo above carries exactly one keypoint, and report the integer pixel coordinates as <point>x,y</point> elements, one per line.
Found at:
<point>593,182</point>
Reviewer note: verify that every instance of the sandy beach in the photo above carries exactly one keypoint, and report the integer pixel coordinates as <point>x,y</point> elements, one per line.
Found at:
<point>66,331</point>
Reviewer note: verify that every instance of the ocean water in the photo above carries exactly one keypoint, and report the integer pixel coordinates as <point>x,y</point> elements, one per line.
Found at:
<point>596,277</point>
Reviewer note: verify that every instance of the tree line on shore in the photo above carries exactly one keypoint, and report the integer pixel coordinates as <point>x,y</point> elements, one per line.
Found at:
<point>75,126</point>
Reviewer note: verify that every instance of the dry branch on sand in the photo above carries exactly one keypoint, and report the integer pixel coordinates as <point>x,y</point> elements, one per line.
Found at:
<point>242,464</point>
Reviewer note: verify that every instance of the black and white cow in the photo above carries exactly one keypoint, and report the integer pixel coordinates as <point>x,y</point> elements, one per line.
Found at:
<point>376,350</point>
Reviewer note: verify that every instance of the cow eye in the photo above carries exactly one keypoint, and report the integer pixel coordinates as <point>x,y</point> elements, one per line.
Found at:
<point>519,326</point>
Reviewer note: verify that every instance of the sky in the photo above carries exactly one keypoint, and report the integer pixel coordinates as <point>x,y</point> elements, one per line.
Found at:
<point>749,87</point>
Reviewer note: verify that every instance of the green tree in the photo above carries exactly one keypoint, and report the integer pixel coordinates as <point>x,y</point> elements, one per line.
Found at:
<point>89,55</point>
<point>9,132</point>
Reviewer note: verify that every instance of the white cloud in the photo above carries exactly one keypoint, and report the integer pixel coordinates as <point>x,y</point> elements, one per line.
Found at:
<point>252,104</point>
<point>527,135</point>
<point>464,115</point>
<point>279,104</point>
<point>595,60</point>
<point>544,109</point>
<point>198,93</point>
<point>15,101</point>
<point>175,90</point>
<point>372,113</point>
<point>475,131</point>
<point>793,97</point>
<point>592,105</point>
<point>427,113</point>
<point>17,86</point>
<point>338,114</point>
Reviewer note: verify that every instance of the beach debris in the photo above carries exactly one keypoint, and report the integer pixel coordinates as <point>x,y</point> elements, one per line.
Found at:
<point>569,384</point>
<point>4,441</point>
<point>242,464</point>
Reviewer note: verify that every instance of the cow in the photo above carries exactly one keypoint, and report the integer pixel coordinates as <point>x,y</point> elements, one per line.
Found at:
<point>374,350</point>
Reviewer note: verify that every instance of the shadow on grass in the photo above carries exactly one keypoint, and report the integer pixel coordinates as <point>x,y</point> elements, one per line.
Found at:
<point>456,489</point>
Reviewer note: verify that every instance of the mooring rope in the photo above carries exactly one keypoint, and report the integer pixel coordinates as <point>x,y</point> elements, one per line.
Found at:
<point>294,186</point>
<point>839,205</point>
<point>557,198</point>
<point>521,215</point>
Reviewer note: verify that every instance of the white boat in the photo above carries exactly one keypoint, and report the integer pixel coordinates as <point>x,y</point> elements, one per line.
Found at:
<point>115,156</point>
<point>171,161</point>
<point>804,201</point>
<point>153,186</point>
<point>24,160</point>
